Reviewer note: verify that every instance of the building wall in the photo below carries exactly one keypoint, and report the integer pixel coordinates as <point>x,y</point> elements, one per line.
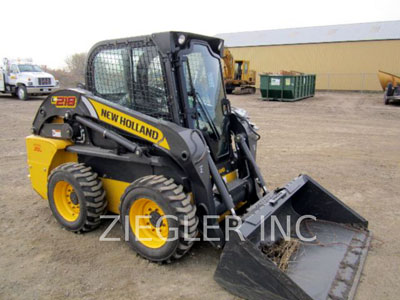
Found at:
<point>339,66</point>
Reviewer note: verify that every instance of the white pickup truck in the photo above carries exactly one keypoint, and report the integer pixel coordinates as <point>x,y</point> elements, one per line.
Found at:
<point>22,78</point>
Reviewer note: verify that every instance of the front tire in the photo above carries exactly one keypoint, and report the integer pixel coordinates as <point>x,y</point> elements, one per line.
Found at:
<point>22,93</point>
<point>162,220</point>
<point>76,197</point>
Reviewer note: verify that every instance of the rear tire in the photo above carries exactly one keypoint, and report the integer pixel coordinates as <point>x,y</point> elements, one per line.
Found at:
<point>22,93</point>
<point>155,197</point>
<point>76,197</point>
<point>385,99</point>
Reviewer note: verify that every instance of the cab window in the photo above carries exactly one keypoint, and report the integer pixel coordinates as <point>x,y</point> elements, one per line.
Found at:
<point>246,67</point>
<point>132,77</point>
<point>14,69</point>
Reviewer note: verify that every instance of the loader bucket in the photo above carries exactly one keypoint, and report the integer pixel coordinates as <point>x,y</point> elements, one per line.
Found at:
<point>264,261</point>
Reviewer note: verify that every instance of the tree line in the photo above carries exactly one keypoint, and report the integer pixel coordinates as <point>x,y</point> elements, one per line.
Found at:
<point>73,74</point>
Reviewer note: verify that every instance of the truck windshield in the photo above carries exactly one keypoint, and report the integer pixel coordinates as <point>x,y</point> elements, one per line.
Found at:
<point>205,78</point>
<point>29,68</point>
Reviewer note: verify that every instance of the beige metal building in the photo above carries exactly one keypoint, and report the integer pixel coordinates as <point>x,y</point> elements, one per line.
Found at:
<point>344,57</point>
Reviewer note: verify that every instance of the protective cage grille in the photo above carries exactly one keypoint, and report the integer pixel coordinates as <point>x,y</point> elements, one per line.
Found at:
<point>131,75</point>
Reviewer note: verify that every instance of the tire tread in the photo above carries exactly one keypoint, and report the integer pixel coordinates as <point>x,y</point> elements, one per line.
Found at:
<point>92,189</point>
<point>179,201</point>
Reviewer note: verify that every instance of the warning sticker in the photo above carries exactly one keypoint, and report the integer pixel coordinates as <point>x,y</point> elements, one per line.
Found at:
<point>56,133</point>
<point>275,81</point>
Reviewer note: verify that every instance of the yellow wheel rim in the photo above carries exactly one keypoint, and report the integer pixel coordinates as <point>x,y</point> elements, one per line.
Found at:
<point>148,223</point>
<point>66,201</point>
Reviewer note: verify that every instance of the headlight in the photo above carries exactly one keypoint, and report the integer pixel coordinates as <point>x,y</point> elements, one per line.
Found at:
<point>220,45</point>
<point>181,39</point>
<point>255,127</point>
<point>240,112</point>
<point>30,83</point>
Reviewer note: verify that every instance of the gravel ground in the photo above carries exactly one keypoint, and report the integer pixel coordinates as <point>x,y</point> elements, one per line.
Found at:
<point>349,142</point>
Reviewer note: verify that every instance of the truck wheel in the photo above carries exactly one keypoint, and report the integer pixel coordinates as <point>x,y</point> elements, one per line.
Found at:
<point>385,98</point>
<point>76,197</point>
<point>22,93</point>
<point>162,220</point>
<point>388,92</point>
<point>389,89</point>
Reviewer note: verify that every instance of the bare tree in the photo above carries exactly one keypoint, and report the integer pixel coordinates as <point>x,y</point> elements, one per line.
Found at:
<point>76,66</point>
<point>73,74</point>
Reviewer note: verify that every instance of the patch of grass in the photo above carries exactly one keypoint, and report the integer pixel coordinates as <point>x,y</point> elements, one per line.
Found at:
<point>281,252</point>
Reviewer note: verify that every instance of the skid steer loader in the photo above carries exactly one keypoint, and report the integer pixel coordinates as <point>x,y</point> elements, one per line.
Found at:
<point>151,136</point>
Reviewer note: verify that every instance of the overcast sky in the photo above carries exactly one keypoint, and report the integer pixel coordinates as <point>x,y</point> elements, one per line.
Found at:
<point>49,31</point>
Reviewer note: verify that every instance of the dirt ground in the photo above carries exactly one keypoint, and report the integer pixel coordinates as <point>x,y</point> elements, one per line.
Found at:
<point>349,142</point>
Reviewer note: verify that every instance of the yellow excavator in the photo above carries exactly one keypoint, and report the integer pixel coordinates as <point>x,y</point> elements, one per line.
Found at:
<point>238,77</point>
<point>391,85</point>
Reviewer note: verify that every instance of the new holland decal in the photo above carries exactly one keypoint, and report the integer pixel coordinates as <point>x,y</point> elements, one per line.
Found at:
<point>64,101</point>
<point>130,124</point>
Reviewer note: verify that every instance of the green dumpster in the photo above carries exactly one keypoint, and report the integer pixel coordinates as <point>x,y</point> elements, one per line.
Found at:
<point>287,87</point>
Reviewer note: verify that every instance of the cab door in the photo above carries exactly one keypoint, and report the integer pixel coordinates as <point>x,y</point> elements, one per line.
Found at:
<point>245,72</point>
<point>2,83</point>
<point>12,77</point>
<point>238,69</point>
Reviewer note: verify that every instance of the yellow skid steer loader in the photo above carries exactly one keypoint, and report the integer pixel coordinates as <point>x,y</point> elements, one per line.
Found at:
<point>151,137</point>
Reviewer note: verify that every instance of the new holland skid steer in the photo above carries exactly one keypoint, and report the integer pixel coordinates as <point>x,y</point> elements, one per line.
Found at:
<point>152,137</point>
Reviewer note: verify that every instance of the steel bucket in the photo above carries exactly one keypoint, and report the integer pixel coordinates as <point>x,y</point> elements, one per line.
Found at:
<point>281,252</point>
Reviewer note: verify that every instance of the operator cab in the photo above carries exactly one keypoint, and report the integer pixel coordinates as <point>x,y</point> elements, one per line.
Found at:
<point>175,77</point>
<point>241,69</point>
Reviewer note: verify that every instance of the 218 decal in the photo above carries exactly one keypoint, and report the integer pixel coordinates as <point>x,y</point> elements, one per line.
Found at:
<point>64,101</point>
